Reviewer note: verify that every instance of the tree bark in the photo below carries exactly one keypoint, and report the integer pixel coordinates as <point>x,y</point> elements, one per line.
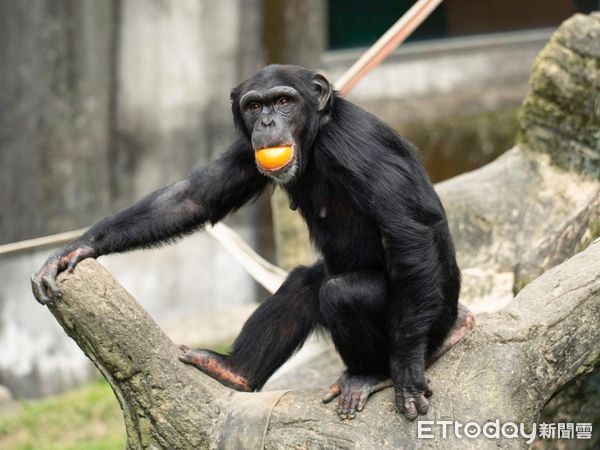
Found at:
<point>510,366</point>
<point>537,204</point>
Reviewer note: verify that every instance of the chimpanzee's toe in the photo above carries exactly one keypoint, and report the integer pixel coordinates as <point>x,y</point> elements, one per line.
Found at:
<point>353,392</point>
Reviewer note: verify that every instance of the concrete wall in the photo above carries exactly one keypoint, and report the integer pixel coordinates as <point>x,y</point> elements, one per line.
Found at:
<point>177,63</point>
<point>55,78</point>
<point>425,80</point>
<point>103,102</point>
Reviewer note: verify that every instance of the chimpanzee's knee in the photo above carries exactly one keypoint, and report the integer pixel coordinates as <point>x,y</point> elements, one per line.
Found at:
<point>353,310</point>
<point>362,293</point>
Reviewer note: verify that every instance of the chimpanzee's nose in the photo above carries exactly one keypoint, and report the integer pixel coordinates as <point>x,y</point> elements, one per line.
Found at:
<point>267,121</point>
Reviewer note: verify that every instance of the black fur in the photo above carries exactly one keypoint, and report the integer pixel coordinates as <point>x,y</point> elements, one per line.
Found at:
<point>387,288</point>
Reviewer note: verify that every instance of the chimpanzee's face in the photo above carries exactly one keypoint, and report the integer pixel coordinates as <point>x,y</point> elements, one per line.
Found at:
<point>275,117</point>
<point>280,111</point>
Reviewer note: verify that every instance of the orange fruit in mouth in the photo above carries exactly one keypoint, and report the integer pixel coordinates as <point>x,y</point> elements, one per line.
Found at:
<point>274,158</point>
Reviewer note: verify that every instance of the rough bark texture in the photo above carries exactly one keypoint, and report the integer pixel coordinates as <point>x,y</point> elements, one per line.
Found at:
<point>510,366</point>
<point>163,403</point>
<point>512,221</point>
<point>514,218</point>
<point>538,204</point>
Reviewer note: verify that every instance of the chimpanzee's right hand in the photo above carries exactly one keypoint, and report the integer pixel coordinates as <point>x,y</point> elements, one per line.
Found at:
<point>43,283</point>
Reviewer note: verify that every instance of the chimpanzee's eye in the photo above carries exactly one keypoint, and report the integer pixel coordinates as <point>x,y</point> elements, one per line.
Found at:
<point>255,106</point>
<point>283,101</point>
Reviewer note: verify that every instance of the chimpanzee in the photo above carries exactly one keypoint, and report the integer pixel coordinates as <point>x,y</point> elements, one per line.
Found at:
<point>387,286</point>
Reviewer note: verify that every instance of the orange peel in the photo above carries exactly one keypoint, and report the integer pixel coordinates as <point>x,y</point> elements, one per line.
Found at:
<point>274,158</point>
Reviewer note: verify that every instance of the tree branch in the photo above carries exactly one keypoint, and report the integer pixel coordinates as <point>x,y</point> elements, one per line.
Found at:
<point>165,403</point>
<point>509,366</point>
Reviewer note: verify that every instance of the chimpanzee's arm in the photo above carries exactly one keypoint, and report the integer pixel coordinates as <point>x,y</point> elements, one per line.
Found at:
<point>394,192</point>
<point>414,304</point>
<point>207,195</point>
<point>408,213</point>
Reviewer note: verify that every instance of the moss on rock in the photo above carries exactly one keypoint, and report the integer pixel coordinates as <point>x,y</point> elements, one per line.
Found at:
<point>561,114</point>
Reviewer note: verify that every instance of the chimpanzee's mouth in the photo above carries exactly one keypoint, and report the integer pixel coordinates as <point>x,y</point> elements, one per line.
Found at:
<point>275,160</point>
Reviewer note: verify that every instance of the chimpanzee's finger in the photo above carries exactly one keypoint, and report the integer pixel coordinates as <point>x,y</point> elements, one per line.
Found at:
<point>362,401</point>
<point>39,291</point>
<point>72,263</point>
<point>345,402</point>
<point>410,410</point>
<point>333,392</point>
<point>422,404</point>
<point>75,257</point>
<point>354,399</point>
<point>49,282</point>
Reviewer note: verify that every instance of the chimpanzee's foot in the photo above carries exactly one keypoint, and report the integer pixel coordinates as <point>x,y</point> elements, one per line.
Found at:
<point>411,398</point>
<point>353,392</point>
<point>464,322</point>
<point>214,365</point>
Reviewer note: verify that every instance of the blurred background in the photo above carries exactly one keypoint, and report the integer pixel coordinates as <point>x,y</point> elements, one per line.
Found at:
<point>104,101</point>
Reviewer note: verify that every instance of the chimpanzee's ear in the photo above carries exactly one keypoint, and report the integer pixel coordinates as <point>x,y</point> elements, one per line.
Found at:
<point>324,90</point>
<point>238,120</point>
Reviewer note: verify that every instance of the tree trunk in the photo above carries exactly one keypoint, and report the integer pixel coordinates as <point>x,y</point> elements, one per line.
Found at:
<point>512,363</point>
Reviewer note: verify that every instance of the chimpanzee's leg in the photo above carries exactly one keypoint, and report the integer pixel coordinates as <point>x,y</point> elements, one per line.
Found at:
<point>353,309</point>
<point>271,335</point>
<point>462,325</point>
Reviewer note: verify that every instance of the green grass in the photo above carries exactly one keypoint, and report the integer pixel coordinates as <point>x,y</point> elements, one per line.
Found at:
<point>88,418</point>
<point>85,418</point>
